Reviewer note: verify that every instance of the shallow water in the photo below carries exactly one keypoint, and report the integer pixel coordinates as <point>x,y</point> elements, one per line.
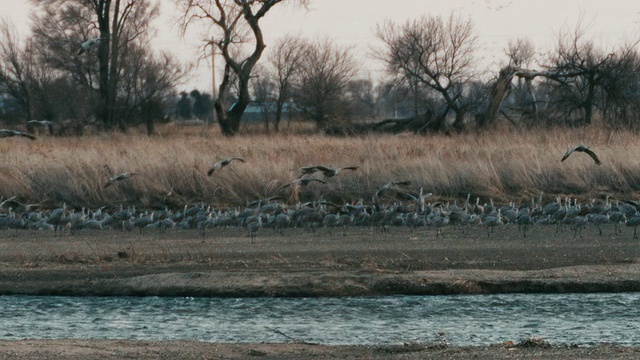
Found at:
<point>582,319</point>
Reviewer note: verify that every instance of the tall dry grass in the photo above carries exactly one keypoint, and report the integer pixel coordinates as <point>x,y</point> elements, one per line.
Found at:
<point>504,165</point>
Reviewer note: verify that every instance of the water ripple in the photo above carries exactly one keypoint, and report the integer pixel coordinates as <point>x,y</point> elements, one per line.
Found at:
<point>582,319</point>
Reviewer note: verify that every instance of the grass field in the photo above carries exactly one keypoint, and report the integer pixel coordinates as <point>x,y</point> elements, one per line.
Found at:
<point>504,165</point>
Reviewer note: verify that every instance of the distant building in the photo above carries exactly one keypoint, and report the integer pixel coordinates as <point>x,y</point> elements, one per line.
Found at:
<point>8,104</point>
<point>255,112</point>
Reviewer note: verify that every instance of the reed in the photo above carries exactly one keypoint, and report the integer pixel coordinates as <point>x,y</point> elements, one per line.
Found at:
<point>504,165</point>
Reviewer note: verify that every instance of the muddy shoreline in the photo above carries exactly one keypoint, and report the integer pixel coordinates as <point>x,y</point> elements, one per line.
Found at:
<point>362,263</point>
<point>196,280</point>
<point>119,349</point>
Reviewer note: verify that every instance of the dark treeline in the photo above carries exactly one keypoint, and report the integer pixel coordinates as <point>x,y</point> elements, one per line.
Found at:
<point>88,64</point>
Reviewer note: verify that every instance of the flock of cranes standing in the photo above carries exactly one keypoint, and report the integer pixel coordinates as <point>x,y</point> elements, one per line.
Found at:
<point>416,213</point>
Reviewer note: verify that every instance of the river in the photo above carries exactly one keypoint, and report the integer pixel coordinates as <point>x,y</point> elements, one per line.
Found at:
<point>582,319</point>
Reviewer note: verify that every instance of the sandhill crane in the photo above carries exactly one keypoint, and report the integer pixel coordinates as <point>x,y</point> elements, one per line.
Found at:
<point>635,205</point>
<point>560,214</point>
<point>617,217</point>
<point>312,217</point>
<point>578,223</point>
<point>328,172</point>
<point>599,220</point>
<point>9,200</point>
<point>10,133</point>
<point>143,221</point>
<point>392,185</point>
<point>43,123</point>
<point>345,221</point>
<point>477,208</point>
<point>222,163</point>
<point>491,221</point>
<point>634,221</point>
<point>330,221</point>
<point>307,170</point>
<point>48,125</point>
<point>115,178</point>
<point>584,149</point>
<point>281,221</point>
<point>468,219</point>
<point>524,220</point>
<point>456,213</point>
<point>420,200</point>
<point>57,218</point>
<point>119,177</point>
<point>301,182</point>
<point>254,224</point>
<point>205,224</point>
<point>552,207</point>
<point>88,44</point>
<point>439,220</point>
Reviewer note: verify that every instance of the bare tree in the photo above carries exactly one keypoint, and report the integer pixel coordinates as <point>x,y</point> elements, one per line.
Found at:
<point>285,64</point>
<point>576,67</point>
<point>16,77</point>
<point>521,52</point>
<point>621,88</point>
<point>364,96</point>
<point>436,53</point>
<point>237,25</point>
<point>325,74</point>
<point>264,95</point>
<point>60,26</point>
<point>146,82</point>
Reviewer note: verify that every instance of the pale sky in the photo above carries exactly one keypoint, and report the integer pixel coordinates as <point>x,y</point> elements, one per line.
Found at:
<point>352,23</point>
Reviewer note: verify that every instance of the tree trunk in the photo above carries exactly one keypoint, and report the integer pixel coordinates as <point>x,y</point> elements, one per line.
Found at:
<point>588,102</point>
<point>230,120</point>
<point>235,115</point>
<point>103,11</point>
<point>113,70</point>
<point>499,91</point>
<point>458,123</point>
<point>277,117</point>
<point>150,125</point>
<point>534,100</point>
<point>279,107</point>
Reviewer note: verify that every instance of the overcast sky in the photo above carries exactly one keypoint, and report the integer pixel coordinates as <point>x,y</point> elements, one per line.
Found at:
<point>352,22</point>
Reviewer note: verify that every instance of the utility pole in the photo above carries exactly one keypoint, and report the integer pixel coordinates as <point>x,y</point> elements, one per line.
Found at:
<point>213,78</point>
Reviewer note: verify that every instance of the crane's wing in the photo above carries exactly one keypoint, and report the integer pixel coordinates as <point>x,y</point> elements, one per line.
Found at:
<point>569,152</point>
<point>633,203</point>
<point>308,170</point>
<point>10,133</point>
<point>350,168</point>
<point>410,196</point>
<point>401,183</point>
<point>324,168</point>
<point>108,171</point>
<point>27,135</point>
<point>593,156</point>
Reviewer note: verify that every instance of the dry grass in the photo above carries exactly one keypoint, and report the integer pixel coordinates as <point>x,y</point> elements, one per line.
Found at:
<point>504,165</point>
